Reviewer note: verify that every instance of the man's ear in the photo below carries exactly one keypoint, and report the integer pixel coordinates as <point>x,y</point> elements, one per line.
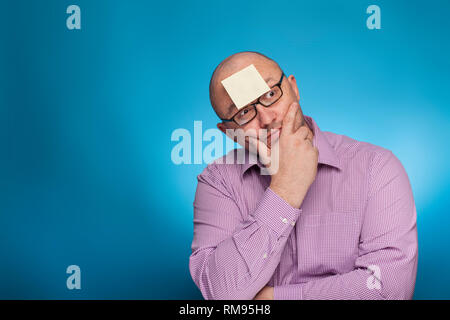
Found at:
<point>221,127</point>
<point>293,83</point>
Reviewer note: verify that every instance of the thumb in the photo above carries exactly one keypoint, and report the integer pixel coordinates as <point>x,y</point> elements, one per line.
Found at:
<point>289,118</point>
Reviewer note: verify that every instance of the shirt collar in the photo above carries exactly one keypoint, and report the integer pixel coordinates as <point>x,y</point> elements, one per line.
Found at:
<point>327,154</point>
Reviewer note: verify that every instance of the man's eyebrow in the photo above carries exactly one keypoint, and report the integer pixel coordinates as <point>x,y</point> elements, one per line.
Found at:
<point>269,79</point>
<point>231,106</point>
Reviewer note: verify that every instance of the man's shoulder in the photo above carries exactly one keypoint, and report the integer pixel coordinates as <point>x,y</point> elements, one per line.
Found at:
<point>227,167</point>
<point>350,149</point>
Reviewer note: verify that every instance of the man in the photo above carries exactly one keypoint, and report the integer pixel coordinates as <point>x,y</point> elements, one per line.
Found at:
<point>337,219</point>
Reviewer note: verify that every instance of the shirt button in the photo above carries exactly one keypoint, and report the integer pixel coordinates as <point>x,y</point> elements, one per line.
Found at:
<point>284,220</point>
<point>265,255</point>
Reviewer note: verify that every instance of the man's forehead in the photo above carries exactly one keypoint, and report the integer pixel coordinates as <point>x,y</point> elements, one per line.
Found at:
<point>265,68</point>
<point>222,103</point>
<point>245,86</point>
<point>227,105</point>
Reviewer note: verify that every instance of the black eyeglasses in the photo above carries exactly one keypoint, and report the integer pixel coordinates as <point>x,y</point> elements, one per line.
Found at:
<point>249,113</point>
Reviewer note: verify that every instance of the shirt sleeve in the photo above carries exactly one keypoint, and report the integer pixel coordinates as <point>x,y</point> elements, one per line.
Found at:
<point>233,258</point>
<point>387,263</point>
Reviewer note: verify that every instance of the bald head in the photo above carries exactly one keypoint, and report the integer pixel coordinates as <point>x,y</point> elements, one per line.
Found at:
<point>220,101</point>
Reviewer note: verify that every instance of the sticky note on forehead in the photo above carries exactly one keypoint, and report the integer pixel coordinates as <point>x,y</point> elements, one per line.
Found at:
<point>245,86</point>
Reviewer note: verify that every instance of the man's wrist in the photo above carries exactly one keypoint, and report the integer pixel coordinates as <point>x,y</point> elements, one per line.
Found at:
<point>294,199</point>
<point>275,213</point>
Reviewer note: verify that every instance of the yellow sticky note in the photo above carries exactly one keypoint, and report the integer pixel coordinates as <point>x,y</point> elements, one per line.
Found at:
<point>245,86</point>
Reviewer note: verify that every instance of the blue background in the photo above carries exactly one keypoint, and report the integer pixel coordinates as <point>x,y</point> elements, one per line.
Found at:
<point>86,118</point>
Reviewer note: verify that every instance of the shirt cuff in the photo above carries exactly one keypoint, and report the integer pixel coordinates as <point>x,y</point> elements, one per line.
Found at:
<point>276,213</point>
<point>288,292</point>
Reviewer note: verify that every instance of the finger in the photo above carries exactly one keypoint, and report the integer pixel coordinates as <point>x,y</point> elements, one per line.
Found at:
<point>289,118</point>
<point>269,157</point>
<point>258,147</point>
<point>309,142</point>
<point>310,136</point>
<point>302,132</point>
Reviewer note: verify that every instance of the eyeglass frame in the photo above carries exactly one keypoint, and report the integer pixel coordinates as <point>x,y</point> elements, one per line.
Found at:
<point>278,84</point>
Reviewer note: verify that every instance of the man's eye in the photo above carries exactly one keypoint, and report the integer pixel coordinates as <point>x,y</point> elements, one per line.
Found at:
<point>270,94</point>
<point>244,112</point>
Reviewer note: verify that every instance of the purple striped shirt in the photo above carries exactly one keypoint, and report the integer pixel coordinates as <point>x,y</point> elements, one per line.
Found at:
<point>354,236</point>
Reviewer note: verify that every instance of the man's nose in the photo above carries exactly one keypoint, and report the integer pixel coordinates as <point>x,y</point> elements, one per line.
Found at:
<point>265,115</point>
